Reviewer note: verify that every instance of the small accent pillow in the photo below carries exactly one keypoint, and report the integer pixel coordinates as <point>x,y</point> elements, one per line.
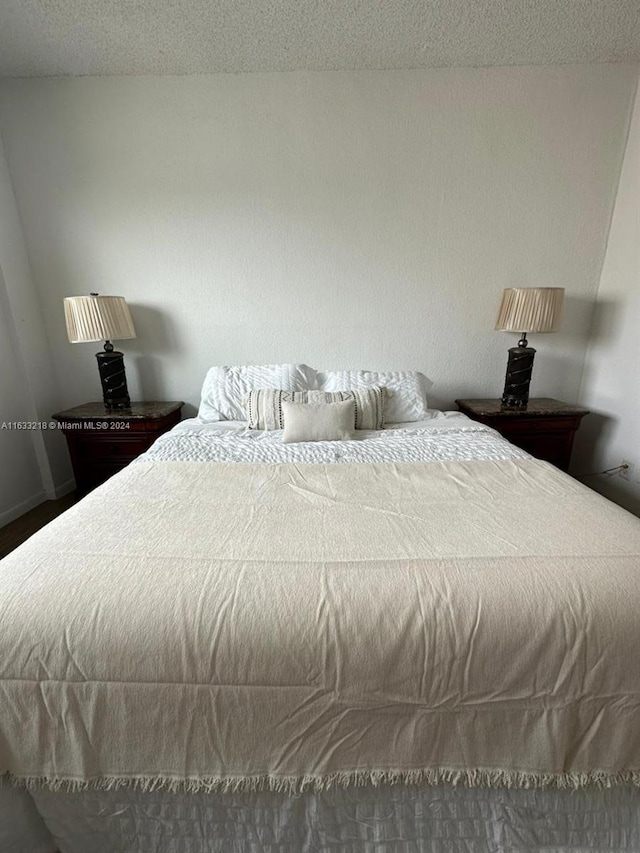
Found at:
<point>318,421</point>
<point>406,390</point>
<point>264,406</point>
<point>225,388</point>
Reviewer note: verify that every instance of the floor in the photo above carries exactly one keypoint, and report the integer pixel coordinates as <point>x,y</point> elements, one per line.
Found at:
<point>15,533</point>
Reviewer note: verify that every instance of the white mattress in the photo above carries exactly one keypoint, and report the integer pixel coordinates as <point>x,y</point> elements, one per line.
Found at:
<point>22,829</point>
<point>356,820</point>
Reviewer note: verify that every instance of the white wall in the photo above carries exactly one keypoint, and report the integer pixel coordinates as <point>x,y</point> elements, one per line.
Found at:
<point>343,219</point>
<point>33,464</point>
<point>611,382</point>
<point>20,478</point>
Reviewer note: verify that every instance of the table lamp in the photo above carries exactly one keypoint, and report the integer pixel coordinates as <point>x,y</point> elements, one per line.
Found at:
<point>103,318</point>
<point>524,310</point>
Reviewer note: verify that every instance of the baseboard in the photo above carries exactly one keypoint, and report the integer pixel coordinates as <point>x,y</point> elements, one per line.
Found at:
<point>10,515</point>
<point>62,490</point>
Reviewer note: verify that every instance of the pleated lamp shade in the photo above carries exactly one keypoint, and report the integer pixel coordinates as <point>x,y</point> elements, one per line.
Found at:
<point>530,309</point>
<point>98,318</point>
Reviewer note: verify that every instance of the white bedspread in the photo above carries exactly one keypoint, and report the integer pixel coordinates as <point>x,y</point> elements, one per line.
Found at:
<point>292,626</point>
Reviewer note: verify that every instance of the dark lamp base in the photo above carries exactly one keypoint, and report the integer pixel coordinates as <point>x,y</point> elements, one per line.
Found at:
<point>114,380</point>
<point>518,378</point>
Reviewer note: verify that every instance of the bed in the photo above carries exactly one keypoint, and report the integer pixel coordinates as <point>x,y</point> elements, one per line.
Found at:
<point>419,639</point>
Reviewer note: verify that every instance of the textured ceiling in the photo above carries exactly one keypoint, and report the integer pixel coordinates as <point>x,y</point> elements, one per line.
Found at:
<point>78,37</point>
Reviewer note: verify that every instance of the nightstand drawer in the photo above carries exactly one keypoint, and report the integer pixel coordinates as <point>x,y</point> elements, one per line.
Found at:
<point>97,473</point>
<point>550,446</point>
<point>107,447</point>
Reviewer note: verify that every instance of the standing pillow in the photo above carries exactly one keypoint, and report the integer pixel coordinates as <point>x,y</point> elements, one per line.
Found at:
<point>264,406</point>
<point>225,388</point>
<point>406,390</point>
<point>318,421</point>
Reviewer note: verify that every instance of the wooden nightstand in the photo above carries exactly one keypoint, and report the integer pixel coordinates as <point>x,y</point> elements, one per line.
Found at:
<point>545,428</point>
<point>102,441</point>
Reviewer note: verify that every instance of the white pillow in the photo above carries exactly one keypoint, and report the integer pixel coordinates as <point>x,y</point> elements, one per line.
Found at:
<point>264,405</point>
<point>406,390</point>
<point>318,421</point>
<point>225,388</point>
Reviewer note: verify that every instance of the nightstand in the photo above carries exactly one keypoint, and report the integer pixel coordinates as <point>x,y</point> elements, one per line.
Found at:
<point>545,427</point>
<point>103,441</point>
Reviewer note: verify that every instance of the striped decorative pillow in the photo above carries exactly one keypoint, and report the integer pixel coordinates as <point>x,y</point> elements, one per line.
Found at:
<point>264,406</point>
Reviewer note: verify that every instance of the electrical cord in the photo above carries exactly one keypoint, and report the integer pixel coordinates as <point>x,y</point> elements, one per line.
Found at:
<point>607,471</point>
